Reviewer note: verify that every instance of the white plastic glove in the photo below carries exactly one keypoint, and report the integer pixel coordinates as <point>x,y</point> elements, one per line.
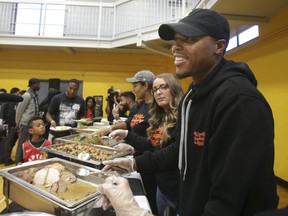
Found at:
<point>105,130</point>
<point>120,164</point>
<point>124,147</point>
<point>119,195</point>
<point>118,134</point>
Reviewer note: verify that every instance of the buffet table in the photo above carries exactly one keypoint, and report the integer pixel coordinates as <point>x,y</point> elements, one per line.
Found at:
<point>27,197</point>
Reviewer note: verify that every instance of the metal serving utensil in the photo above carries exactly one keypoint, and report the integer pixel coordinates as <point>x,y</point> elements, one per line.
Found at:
<point>85,172</point>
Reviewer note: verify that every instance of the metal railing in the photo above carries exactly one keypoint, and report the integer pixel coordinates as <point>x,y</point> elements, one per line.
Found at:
<point>101,20</point>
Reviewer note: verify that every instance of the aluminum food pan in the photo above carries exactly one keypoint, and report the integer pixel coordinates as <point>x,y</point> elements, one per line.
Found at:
<point>72,149</point>
<point>34,198</point>
<point>106,141</point>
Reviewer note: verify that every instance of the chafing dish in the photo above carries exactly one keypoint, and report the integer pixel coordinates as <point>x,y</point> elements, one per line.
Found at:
<point>34,198</point>
<point>71,150</point>
<point>87,139</point>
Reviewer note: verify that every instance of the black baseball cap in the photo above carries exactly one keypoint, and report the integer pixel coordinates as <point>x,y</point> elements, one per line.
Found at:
<point>198,22</point>
<point>33,81</point>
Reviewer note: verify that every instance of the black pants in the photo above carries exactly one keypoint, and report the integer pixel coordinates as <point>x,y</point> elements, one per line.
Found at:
<point>9,143</point>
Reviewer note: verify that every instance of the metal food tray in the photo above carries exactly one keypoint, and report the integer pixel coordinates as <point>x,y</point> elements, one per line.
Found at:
<point>74,157</point>
<point>34,198</point>
<point>107,141</point>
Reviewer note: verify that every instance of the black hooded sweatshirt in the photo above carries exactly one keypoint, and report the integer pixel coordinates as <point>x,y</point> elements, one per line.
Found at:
<point>225,148</point>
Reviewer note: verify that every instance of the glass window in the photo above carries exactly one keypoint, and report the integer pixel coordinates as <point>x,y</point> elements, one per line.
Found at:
<point>248,34</point>
<point>232,43</point>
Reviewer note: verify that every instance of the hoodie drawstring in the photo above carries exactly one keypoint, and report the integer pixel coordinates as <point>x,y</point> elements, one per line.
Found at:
<point>183,134</point>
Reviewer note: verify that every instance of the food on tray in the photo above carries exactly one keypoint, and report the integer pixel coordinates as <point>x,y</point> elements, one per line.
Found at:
<point>57,180</point>
<point>98,154</point>
<point>94,138</point>
<point>86,120</point>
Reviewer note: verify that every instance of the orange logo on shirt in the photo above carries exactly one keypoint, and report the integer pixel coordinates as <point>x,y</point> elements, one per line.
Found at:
<point>156,138</point>
<point>199,138</point>
<point>138,118</point>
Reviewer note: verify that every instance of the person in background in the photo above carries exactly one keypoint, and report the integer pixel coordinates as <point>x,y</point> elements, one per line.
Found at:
<point>128,103</point>
<point>161,132</point>
<point>142,84</point>
<point>21,93</point>
<point>118,110</point>
<point>65,108</point>
<point>112,109</point>
<point>31,149</point>
<point>90,107</point>
<point>43,108</point>
<point>225,146</point>
<point>25,110</point>
<point>2,90</point>
<point>8,114</point>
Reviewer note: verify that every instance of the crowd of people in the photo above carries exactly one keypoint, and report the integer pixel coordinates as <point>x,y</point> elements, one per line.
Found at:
<point>208,152</point>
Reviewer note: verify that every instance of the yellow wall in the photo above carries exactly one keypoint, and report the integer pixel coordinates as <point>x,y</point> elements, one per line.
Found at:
<point>266,56</point>
<point>268,59</point>
<point>98,71</point>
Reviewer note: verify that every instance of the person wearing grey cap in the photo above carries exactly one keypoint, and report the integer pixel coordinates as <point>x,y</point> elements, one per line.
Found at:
<point>142,84</point>
<point>138,123</point>
<point>25,110</point>
<point>225,148</point>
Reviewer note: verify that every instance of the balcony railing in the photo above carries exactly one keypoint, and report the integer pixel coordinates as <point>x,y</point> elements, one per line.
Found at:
<point>90,19</point>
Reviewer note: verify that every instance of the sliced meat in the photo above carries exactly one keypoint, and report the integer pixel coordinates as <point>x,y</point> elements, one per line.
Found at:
<point>54,187</point>
<point>26,176</point>
<point>62,186</point>
<point>68,177</point>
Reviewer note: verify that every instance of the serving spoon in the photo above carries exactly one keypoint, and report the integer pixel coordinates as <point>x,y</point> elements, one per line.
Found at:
<point>86,172</point>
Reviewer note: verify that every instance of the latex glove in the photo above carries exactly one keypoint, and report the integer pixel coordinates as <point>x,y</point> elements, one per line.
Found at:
<point>124,147</point>
<point>119,195</point>
<point>120,164</point>
<point>118,134</point>
<point>105,130</point>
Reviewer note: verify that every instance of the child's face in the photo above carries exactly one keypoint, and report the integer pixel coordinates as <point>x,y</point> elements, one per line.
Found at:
<point>38,127</point>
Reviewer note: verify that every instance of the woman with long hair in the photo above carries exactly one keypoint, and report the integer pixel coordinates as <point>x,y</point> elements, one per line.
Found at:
<point>90,107</point>
<point>161,132</point>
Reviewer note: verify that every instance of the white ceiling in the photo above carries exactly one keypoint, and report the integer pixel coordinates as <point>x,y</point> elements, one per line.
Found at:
<point>240,14</point>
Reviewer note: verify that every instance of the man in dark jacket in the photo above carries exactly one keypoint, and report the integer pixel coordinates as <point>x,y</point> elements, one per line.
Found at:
<point>225,151</point>
<point>8,113</point>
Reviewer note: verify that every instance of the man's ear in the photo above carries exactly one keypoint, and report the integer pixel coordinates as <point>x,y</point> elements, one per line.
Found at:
<point>221,46</point>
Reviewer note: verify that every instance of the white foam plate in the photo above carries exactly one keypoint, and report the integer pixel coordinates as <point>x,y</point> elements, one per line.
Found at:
<point>60,128</point>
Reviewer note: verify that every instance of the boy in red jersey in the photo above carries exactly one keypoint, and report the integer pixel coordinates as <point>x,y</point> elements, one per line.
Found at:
<point>31,148</point>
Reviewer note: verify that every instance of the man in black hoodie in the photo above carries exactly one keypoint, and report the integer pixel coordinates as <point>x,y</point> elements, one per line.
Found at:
<point>225,149</point>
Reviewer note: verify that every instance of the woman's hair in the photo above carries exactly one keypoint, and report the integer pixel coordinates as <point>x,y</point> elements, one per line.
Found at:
<point>89,98</point>
<point>160,118</point>
<point>93,105</point>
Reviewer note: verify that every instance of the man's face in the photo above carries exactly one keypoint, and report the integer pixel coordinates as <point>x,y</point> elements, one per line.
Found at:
<point>72,90</point>
<point>123,101</point>
<point>193,56</point>
<point>36,86</point>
